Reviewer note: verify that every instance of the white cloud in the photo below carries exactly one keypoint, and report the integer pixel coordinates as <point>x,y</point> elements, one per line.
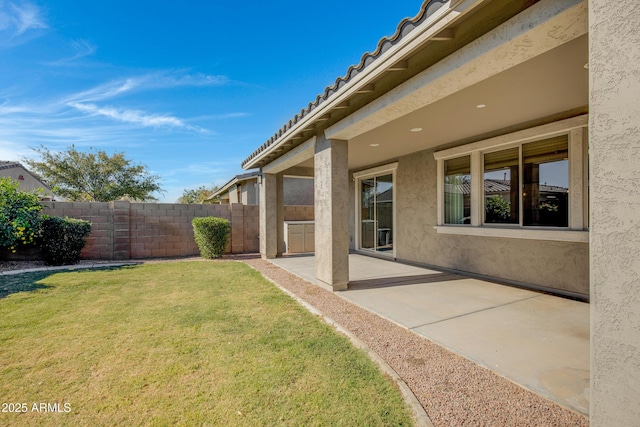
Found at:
<point>17,19</point>
<point>152,81</point>
<point>7,109</point>
<point>190,80</point>
<point>80,49</point>
<point>105,91</point>
<point>137,117</point>
<point>229,116</point>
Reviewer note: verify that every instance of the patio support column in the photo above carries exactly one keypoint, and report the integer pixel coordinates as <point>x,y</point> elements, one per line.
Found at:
<point>268,216</point>
<point>614,140</point>
<point>280,212</point>
<point>331,187</point>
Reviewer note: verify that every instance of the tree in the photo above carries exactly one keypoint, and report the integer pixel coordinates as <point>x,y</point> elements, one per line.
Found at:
<point>198,195</point>
<point>94,176</point>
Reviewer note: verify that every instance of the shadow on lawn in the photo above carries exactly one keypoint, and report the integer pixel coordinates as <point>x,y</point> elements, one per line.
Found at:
<point>29,281</point>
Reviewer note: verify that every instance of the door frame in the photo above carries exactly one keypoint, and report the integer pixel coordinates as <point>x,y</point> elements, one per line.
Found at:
<point>388,169</point>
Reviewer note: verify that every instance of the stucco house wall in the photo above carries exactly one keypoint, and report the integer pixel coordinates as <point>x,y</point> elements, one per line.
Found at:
<point>559,265</point>
<point>614,65</point>
<point>22,176</point>
<point>249,192</point>
<point>571,63</point>
<point>233,195</point>
<point>298,191</point>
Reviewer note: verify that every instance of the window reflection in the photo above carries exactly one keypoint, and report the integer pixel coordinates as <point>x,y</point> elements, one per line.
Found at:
<point>501,196</point>
<point>457,190</point>
<point>545,195</point>
<point>376,213</point>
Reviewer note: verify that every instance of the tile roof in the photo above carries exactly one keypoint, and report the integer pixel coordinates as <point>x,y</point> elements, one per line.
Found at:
<point>428,8</point>
<point>234,180</point>
<point>4,164</point>
<point>493,186</point>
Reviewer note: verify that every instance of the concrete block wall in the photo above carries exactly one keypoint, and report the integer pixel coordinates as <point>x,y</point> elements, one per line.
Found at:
<point>251,228</point>
<point>124,230</point>
<point>164,230</point>
<point>99,244</point>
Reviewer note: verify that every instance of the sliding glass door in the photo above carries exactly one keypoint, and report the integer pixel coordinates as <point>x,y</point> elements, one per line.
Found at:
<point>376,213</point>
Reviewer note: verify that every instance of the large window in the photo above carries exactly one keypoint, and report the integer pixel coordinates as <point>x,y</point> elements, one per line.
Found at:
<point>527,183</point>
<point>545,190</point>
<point>545,184</point>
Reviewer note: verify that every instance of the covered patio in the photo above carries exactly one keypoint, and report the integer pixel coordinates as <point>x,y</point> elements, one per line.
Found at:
<point>497,138</point>
<point>536,340</point>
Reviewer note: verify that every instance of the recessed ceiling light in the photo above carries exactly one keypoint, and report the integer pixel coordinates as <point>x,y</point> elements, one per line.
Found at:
<point>481,105</point>
<point>416,130</point>
<point>374,145</point>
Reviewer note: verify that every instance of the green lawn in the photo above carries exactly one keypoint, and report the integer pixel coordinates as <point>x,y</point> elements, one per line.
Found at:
<point>180,343</point>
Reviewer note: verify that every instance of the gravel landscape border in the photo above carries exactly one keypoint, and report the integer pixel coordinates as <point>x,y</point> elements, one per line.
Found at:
<point>452,390</point>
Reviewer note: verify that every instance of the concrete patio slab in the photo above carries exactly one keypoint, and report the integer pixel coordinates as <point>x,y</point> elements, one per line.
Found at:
<point>537,340</point>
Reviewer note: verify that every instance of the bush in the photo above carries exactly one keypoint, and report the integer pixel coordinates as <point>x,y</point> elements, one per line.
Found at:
<point>19,215</point>
<point>211,235</point>
<point>497,209</point>
<point>63,239</point>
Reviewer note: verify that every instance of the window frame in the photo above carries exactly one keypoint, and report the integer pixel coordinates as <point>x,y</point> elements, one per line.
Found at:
<point>577,231</point>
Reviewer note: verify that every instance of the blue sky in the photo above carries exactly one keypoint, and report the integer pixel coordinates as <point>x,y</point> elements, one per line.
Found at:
<point>188,89</point>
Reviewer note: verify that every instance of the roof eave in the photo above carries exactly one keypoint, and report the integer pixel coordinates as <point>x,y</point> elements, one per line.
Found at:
<point>431,29</point>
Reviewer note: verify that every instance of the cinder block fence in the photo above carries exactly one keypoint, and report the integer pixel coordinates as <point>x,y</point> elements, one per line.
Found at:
<point>124,230</point>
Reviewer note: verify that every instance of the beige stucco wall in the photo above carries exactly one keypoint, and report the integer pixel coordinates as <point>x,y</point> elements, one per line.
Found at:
<point>233,195</point>
<point>614,67</point>
<point>558,265</point>
<point>298,191</point>
<point>28,183</point>
<point>249,192</point>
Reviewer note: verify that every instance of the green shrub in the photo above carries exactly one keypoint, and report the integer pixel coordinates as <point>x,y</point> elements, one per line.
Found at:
<point>19,215</point>
<point>63,239</point>
<point>497,209</point>
<point>211,235</point>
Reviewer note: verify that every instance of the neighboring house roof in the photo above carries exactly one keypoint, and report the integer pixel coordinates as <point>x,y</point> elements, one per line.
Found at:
<point>405,27</point>
<point>386,196</point>
<point>495,186</point>
<point>234,181</point>
<point>4,164</point>
<point>7,164</point>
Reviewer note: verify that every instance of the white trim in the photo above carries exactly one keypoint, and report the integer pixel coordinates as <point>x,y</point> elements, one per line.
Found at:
<point>476,199</point>
<point>302,152</point>
<point>298,177</point>
<point>585,181</point>
<point>575,128</point>
<point>562,235</point>
<point>440,191</point>
<point>576,177</point>
<point>513,139</point>
<point>391,167</point>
